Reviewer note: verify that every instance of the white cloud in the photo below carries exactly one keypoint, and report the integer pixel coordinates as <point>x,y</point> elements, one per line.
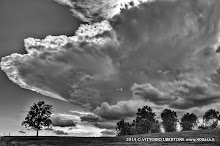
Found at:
<point>96,10</point>
<point>64,125</point>
<point>85,130</point>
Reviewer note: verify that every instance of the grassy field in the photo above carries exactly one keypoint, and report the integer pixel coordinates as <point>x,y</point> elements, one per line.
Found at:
<point>123,140</point>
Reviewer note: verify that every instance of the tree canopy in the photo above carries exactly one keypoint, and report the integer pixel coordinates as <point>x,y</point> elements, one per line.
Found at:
<point>211,116</point>
<point>144,120</point>
<point>123,128</point>
<point>188,121</point>
<point>38,116</point>
<point>170,120</point>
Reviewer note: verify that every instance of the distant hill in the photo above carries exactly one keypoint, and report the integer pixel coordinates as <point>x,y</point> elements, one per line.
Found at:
<point>168,139</point>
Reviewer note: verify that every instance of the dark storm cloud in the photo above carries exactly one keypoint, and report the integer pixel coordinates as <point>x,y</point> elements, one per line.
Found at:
<point>61,121</point>
<point>182,94</point>
<point>161,35</point>
<point>105,124</point>
<point>23,132</point>
<point>98,121</point>
<point>168,48</point>
<point>90,118</point>
<point>122,109</point>
<point>193,94</point>
<point>218,49</point>
<point>152,94</point>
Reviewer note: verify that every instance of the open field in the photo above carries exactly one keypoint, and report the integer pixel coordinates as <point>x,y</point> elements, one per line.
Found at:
<point>109,141</point>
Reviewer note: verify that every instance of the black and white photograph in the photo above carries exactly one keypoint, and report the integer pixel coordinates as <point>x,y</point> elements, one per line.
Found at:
<point>109,72</point>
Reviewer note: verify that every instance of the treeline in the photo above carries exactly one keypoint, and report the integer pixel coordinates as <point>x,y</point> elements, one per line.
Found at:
<point>146,122</point>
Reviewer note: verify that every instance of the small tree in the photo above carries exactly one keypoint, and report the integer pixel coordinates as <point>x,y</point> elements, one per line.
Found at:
<point>188,121</point>
<point>38,116</point>
<point>123,128</point>
<point>170,120</point>
<point>211,116</point>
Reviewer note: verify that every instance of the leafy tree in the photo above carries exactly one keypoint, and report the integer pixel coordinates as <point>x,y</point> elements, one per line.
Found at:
<point>123,128</point>
<point>188,121</point>
<point>38,116</point>
<point>144,120</point>
<point>211,116</point>
<point>156,127</point>
<point>170,120</point>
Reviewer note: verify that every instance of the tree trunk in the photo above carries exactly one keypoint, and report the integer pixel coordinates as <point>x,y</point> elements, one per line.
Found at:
<point>37,133</point>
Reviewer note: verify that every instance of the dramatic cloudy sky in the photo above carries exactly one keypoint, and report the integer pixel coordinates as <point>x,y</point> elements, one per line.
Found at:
<point>97,64</point>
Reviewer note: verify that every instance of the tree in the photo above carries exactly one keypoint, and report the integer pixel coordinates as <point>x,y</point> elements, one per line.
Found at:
<point>123,128</point>
<point>188,121</point>
<point>156,127</point>
<point>211,116</point>
<point>144,120</point>
<point>170,120</point>
<point>38,116</point>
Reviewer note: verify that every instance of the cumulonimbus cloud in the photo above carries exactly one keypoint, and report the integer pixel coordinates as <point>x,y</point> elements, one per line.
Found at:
<point>168,48</point>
